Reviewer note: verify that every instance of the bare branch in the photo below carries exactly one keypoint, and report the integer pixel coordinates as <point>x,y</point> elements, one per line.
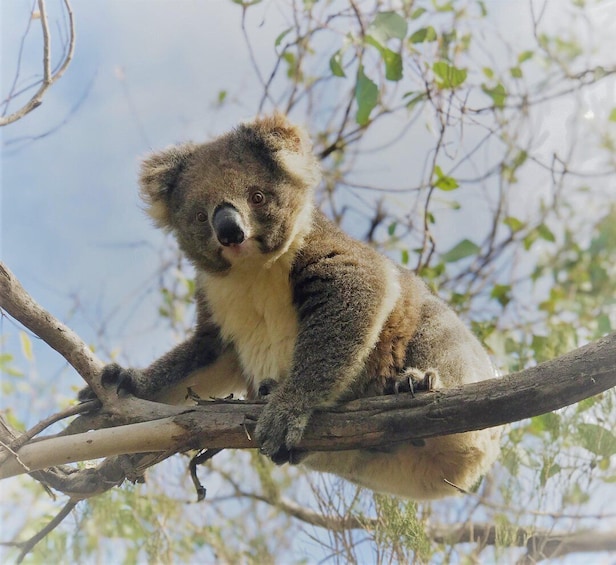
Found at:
<point>540,543</point>
<point>27,545</point>
<point>49,77</point>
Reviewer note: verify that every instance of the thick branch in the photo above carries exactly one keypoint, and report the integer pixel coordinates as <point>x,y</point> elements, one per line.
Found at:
<point>367,422</point>
<point>362,423</point>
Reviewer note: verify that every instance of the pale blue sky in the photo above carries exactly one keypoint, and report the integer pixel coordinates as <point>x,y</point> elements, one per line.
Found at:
<point>145,75</point>
<point>148,74</point>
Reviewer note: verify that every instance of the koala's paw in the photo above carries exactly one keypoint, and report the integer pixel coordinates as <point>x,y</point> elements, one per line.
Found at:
<point>280,429</point>
<point>124,381</point>
<point>413,380</point>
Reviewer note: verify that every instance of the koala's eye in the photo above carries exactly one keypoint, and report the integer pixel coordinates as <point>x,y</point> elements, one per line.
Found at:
<point>201,216</point>
<point>257,198</point>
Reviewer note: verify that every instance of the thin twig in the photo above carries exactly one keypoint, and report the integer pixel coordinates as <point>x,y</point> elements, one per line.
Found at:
<point>49,78</point>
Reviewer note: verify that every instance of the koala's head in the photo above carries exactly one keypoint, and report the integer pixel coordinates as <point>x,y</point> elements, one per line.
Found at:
<point>245,196</point>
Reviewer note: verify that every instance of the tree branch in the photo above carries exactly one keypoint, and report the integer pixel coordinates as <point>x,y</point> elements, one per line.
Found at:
<point>368,422</point>
<point>49,77</point>
<point>364,423</point>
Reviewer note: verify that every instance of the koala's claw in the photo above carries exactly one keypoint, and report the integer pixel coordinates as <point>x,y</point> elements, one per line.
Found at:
<point>112,376</point>
<point>115,376</point>
<point>413,380</point>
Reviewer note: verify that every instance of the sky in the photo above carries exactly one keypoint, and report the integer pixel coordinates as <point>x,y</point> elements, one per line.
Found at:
<point>145,75</point>
<point>72,225</point>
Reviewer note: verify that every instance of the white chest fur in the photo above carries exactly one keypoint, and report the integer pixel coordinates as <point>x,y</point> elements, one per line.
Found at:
<point>255,311</point>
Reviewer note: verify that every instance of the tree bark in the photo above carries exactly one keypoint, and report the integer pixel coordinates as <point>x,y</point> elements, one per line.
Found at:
<point>152,427</point>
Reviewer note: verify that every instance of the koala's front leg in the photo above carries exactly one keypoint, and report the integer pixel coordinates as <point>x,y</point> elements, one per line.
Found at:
<point>160,380</point>
<point>342,305</point>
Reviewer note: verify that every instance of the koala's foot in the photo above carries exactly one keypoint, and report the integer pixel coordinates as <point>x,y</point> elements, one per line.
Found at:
<point>125,381</point>
<point>413,380</point>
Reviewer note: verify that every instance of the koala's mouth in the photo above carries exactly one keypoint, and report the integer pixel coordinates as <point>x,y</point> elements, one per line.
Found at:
<point>233,252</point>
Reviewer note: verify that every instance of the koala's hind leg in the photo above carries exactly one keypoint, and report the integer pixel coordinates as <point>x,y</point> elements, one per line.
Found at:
<point>413,380</point>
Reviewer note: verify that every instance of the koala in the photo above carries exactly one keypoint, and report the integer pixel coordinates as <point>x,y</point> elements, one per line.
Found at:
<point>291,307</point>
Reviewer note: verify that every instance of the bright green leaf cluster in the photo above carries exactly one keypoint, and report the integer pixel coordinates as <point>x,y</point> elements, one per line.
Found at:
<point>443,181</point>
<point>448,76</point>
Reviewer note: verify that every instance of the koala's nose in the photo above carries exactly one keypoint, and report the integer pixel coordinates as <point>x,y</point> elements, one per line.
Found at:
<point>227,224</point>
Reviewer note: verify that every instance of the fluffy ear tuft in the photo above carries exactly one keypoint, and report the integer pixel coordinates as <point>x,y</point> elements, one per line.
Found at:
<point>290,145</point>
<point>159,175</point>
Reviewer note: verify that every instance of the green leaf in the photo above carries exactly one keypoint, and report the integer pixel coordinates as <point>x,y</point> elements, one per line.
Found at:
<point>391,228</point>
<point>525,56</point>
<point>423,34</point>
<point>514,224</point>
<point>488,72</point>
<point>282,36</point>
<point>450,76</point>
<point>335,64</point>
<point>5,358</point>
<point>366,95</point>
<point>465,248</point>
<point>530,239</point>
<point>597,439</point>
<point>405,257</point>
<point>604,325</point>
<point>388,25</point>
<point>447,7</point>
<point>545,233</point>
<point>26,346</point>
<point>482,7</point>
<point>548,470</point>
<point>443,181</point>
<point>516,72</point>
<point>502,293</point>
<point>549,422</point>
<point>612,117</point>
<point>498,94</point>
<point>393,61</point>
<point>418,13</point>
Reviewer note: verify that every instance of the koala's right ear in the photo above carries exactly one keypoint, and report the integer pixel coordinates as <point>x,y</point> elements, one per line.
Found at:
<point>159,175</point>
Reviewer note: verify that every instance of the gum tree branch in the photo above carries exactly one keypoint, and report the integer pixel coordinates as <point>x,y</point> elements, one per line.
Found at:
<point>152,427</point>
<point>49,76</point>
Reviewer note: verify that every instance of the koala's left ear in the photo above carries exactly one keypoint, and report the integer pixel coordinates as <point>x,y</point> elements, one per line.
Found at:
<point>290,146</point>
<point>159,175</point>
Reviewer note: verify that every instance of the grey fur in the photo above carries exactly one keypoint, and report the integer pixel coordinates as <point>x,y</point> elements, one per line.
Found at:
<point>301,302</point>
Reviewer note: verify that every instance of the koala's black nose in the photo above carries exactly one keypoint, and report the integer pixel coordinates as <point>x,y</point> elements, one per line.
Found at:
<point>227,224</point>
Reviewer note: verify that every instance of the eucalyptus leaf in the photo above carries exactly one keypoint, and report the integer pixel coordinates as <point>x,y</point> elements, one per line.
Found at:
<point>466,248</point>
<point>366,95</point>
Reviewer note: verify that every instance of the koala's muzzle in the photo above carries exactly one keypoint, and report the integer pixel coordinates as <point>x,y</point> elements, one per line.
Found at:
<point>227,224</point>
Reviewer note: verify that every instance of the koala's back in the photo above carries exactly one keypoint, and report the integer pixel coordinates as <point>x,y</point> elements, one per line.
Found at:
<point>418,331</point>
<point>416,328</point>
